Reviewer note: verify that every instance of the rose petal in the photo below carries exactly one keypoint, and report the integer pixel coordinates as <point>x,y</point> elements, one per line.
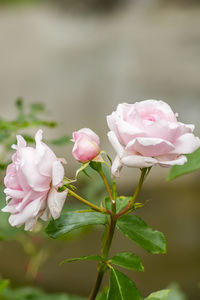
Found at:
<point>116,166</point>
<point>29,212</point>
<point>123,130</point>
<point>10,207</point>
<point>187,143</point>
<point>85,149</point>
<point>115,143</point>
<point>44,156</point>
<point>46,214</point>
<point>57,173</point>
<point>150,146</point>
<point>56,201</point>
<point>138,161</point>
<point>165,162</point>
<point>14,193</point>
<point>156,107</point>
<point>35,180</point>
<point>88,133</point>
<point>20,142</point>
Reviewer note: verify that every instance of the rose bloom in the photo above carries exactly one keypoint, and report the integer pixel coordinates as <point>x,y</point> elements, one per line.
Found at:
<point>31,184</point>
<point>147,133</point>
<point>86,145</point>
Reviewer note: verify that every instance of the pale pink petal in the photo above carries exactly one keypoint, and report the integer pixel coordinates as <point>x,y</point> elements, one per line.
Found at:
<point>86,132</point>
<point>11,179</point>
<point>56,201</point>
<point>116,166</point>
<point>57,173</point>
<point>44,155</point>
<point>188,128</point>
<point>29,212</point>
<point>14,193</point>
<point>150,146</point>
<point>163,162</point>
<point>127,132</point>
<point>187,143</point>
<point>85,149</point>
<point>111,122</point>
<point>138,161</point>
<point>29,197</point>
<point>22,181</point>
<point>46,214</point>
<point>35,180</point>
<point>156,107</point>
<point>40,149</point>
<point>10,208</point>
<point>20,142</point>
<point>116,144</point>
<point>124,131</point>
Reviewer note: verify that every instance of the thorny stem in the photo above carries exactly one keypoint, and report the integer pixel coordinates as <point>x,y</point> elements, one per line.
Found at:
<point>84,201</point>
<point>110,230</point>
<point>102,267</point>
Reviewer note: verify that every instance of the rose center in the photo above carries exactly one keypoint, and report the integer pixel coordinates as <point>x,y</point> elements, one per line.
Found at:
<point>148,119</point>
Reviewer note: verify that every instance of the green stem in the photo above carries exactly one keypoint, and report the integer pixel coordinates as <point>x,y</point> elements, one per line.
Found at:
<point>132,201</point>
<point>97,283</point>
<point>105,251</point>
<point>102,267</point>
<point>84,201</point>
<point>106,185</point>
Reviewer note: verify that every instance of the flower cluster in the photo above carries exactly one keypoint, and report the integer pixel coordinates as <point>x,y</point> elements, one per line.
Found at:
<point>143,134</point>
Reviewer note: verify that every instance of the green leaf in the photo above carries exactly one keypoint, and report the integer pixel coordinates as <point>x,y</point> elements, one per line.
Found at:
<point>138,231</point>
<point>61,140</point>
<point>69,221</point>
<point>127,260</point>
<point>3,284</point>
<point>192,164</point>
<point>121,287</point>
<point>176,293</point>
<point>121,202</point>
<point>91,257</point>
<point>160,295</point>
<point>103,295</point>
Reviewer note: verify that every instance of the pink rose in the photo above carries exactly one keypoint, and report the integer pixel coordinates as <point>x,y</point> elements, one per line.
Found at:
<point>147,133</point>
<point>31,184</point>
<point>86,147</point>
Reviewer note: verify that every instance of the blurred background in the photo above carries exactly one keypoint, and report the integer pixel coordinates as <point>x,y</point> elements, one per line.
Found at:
<point>81,58</point>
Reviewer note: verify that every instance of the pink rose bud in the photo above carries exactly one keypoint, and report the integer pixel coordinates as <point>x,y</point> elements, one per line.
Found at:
<point>31,184</point>
<point>86,145</point>
<point>147,133</point>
